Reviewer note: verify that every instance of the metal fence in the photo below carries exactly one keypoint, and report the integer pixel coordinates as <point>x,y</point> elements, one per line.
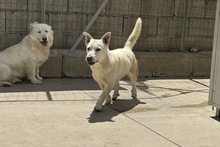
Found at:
<point>168,25</point>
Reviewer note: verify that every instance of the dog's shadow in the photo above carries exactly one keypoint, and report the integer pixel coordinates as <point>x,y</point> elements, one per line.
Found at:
<point>112,110</point>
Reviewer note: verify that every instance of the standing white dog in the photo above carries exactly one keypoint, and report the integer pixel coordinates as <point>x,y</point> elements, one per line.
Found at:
<point>108,67</point>
<point>25,58</point>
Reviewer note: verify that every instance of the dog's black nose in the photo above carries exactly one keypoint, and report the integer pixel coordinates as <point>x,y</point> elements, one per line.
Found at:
<point>89,59</point>
<point>44,38</point>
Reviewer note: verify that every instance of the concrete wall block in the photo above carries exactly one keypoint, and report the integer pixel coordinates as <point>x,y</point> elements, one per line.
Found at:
<point>34,5</point>
<point>202,66</point>
<point>201,27</point>
<point>76,23</point>
<point>196,8</point>
<point>149,26</point>
<point>35,17</point>
<point>105,24</point>
<point>157,8</point>
<point>13,4</point>
<point>117,41</point>
<point>2,4</point>
<point>210,8</point>
<point>153,64</point>
<point>74,64</point>
<point>145,64</point>
<point>179,8</point>
<point>153,44</point>
<point>59,41</point>
<point>52,68</point>
<point>170,26</point>
<point>175,44</point>
<point>123,8</point>
<point>203,43</point>
<point>3,44</point>
<point>2,21</point>
<point>173,66</point>
<point>56,5</point>
<point>58,22</point>
<point>16,22</point>
<point>71,39</point>
<point>85,6</point>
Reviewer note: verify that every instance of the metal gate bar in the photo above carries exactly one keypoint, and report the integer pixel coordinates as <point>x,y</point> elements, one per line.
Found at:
<point>185,17</point>
<point>89,24</point>
<point>42,18</point>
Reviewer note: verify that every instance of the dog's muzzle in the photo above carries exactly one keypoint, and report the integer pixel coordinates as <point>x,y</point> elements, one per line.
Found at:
<point>44,41</point>
<point>90,60</point>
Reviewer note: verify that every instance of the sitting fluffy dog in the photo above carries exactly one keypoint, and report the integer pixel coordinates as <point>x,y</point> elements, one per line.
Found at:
<point>25,58</point>
<point>108,67</point>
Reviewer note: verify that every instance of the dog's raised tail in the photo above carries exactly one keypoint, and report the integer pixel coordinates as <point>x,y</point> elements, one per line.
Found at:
<point>134,35</point>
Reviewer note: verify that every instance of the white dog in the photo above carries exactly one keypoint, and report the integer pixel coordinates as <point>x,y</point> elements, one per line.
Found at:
<point>108,67</point>
<point>25,58</point>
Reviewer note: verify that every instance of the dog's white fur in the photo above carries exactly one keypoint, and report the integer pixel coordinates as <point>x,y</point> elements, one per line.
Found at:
<point>108,67</point>
<point>25,58</point>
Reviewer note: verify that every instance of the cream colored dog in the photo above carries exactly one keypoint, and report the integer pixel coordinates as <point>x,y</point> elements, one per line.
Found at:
<point>108,67</point>
<point>25,58</point>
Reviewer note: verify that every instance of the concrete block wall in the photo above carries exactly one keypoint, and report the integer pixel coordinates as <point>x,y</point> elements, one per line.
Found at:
<point>157,49</point>
<point>162,22</point>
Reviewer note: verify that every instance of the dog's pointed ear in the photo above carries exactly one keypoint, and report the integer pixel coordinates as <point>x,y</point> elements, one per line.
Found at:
<point>106,38</point>
<point>88,37</point>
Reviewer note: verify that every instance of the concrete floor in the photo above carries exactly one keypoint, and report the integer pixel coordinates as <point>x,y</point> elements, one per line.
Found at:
<point>59,112</point>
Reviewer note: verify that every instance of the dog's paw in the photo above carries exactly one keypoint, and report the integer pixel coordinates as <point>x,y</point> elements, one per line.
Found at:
<point>133,94</point>
<point>6,84</point>
<point>134,97</point>
<point>35,81</point>
<point>39,78</point>
<point>18,81</point>
<point>98,108</point>
<point>115,97</point>
<point>108,101</point>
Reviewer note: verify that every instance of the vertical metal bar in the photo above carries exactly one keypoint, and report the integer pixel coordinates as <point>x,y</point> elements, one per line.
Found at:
<point>185,18</point>
<point>215,53</point>
<point>90,24</point>
<point>217,113</point>
<point>42,16</point>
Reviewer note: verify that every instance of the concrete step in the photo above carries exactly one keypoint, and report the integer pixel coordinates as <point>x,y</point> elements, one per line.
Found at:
<point>66,63</point>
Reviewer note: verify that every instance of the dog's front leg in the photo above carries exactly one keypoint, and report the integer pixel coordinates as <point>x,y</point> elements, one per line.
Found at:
<point>31,72</point>
<point>37,75</point>
<point>105,94</point>
<point>116,94</point>
<point>108,98</point>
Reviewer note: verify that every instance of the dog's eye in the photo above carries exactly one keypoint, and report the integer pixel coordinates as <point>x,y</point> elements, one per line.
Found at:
<point>98,49</point>
<point>46,31</point>
<point>39,31</point>
<point>88,49</point>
